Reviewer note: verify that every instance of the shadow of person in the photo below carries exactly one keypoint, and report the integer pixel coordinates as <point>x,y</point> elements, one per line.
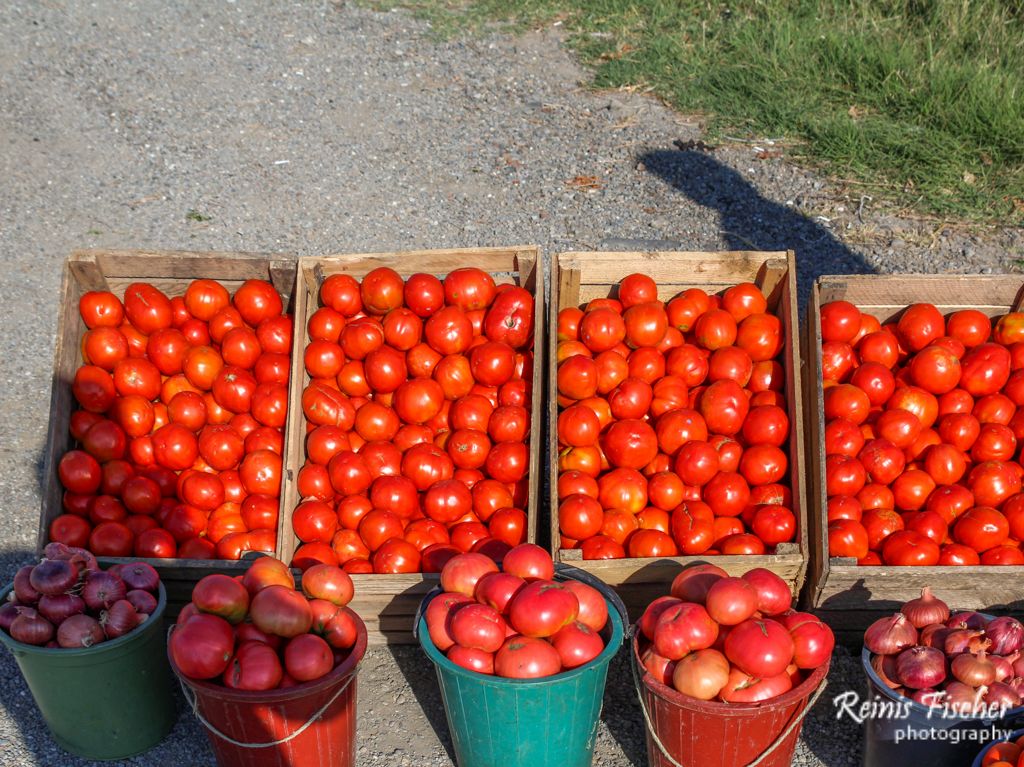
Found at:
<point>749,221</point>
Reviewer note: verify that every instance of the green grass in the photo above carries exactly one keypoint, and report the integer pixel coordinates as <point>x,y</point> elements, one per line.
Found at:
<point>923,100</point>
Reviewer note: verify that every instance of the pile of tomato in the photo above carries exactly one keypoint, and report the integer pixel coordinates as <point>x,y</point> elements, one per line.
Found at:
<point>180,423</point>
<point>417,414</point>
<point>672,428</point>
<point>257,632</point>
<point>922,424</point>
<point>516,621</point>
<point>737,640</point>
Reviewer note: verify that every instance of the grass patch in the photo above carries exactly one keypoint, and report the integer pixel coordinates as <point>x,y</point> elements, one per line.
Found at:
<point>921,99</point>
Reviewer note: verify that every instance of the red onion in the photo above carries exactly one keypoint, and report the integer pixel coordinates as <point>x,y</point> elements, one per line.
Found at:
<point>80,631</point>
<point>23,589</point>
<point>927,697</point>
<point>974,670</point>
<point>102,590</point>
<point>56,550</point>
<point>51,644</point>
<point>962,698</point>
<point>1004,668</point>
<point>53,576</point>
<point>921,667</point>
<point>115,570</point>
<point>889,636</point>
<point>1017,685</point>
<point>885,667</point>
<point>926,609</point>
<point>959,640</point>
<point>84,558</point>
<point>967,620</point>
<point>32,629</point>
<point>139,575</point>
<point>1002,695</point>
<point>119,619</point>
<point>1007,635</point>
<point>59,608</point>
<point>934,636</point>
<point>8,612</point>
<point>144,601</point>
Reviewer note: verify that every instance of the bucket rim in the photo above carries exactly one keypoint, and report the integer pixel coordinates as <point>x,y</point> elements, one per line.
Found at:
<point>278,695</point>
<point>919,708</point>
<point>611,648</point>
<point>108,645</point>
<point>795,696</point>
<point>980,758</point>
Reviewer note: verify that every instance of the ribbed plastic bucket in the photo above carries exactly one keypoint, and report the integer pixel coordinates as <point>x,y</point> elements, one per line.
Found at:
<point>550,722</point>
<point>979,760</point>
<point>309,725</point>
<point>109,701</point>
<point>917,735</point>
<point>685,731</point>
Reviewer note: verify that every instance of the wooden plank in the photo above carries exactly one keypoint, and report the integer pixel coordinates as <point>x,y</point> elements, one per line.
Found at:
<point>579,277</point>
<point>171,271</point>
<point>837,586</point>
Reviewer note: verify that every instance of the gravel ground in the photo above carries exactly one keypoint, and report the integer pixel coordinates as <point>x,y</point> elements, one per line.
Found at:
<point>319,127</point>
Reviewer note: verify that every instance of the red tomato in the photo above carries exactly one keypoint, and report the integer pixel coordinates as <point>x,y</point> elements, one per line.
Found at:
<point>840,321</point>
<point>847,538</point>
<point>906,547</point>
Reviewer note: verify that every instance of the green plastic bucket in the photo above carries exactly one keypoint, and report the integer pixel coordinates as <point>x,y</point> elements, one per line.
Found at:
<point>110,701</point>
<point>551,722</point>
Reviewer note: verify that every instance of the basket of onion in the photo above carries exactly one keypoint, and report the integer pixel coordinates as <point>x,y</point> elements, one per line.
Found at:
<point>944,670</point>
<point>91,647</point>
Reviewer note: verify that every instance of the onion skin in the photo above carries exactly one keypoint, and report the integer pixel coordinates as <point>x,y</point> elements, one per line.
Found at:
<point>926,609</point>
<point>967,620</point>
<point>56,550</point>
<point>974,670</point>
<point>1007,635</point>
<point>8,612</point>
<point>53,576</point>
<point>80,631</point>
<point>1003,695</point>
<point>959,640</point>
<point>885,667</point>
<point>59,608</point>
<point>23,589</point>
<point>890,635</point>
<point>32,629</point>
<point>1004,668</point>
<point>934,635</point>
<point>102,590</point>
<point>921,667</point>
<point>963,699</point>
<point>143,601</point>
<point>119,619</point>
<point>139,575</point>
<point>84,559</point>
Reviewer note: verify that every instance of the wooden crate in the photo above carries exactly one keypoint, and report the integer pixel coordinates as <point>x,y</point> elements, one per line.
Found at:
<point>850,597</point>
<point>388,603</point>
<point>581,276</point>
<point>114,270</point>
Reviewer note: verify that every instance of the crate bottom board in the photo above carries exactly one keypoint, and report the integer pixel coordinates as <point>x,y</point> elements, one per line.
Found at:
<point>638,582</point>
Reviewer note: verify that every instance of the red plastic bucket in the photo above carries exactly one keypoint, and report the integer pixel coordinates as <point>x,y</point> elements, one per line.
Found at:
<point>686,732</point>
<point>310,725</point>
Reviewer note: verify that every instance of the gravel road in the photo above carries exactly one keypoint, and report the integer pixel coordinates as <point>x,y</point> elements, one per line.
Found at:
<point>319,127</point>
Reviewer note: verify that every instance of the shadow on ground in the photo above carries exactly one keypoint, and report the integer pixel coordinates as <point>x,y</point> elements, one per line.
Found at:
<point>750,221</point>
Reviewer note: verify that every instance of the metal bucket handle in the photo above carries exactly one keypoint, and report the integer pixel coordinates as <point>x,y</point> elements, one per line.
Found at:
<point>193,703</point>
<point>633,663</point>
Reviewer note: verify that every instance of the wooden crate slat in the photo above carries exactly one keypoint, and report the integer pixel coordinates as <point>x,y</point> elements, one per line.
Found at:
<point>845,594</point>
<point>387,603</point>
<point>579,277</point>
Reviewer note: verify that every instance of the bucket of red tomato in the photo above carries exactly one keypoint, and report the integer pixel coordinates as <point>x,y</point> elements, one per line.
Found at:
<point>90,644</point>
<point>521,653</point>
<point>726,670</point>
<point>270,671</point>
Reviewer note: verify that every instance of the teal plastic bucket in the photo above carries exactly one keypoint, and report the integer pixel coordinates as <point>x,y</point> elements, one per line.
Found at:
<point>109,701</point>
<point>550,722</point>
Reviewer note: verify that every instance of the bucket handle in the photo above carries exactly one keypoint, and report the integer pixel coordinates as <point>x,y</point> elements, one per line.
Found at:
<point>664,751</point>
<point>190,696</point>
